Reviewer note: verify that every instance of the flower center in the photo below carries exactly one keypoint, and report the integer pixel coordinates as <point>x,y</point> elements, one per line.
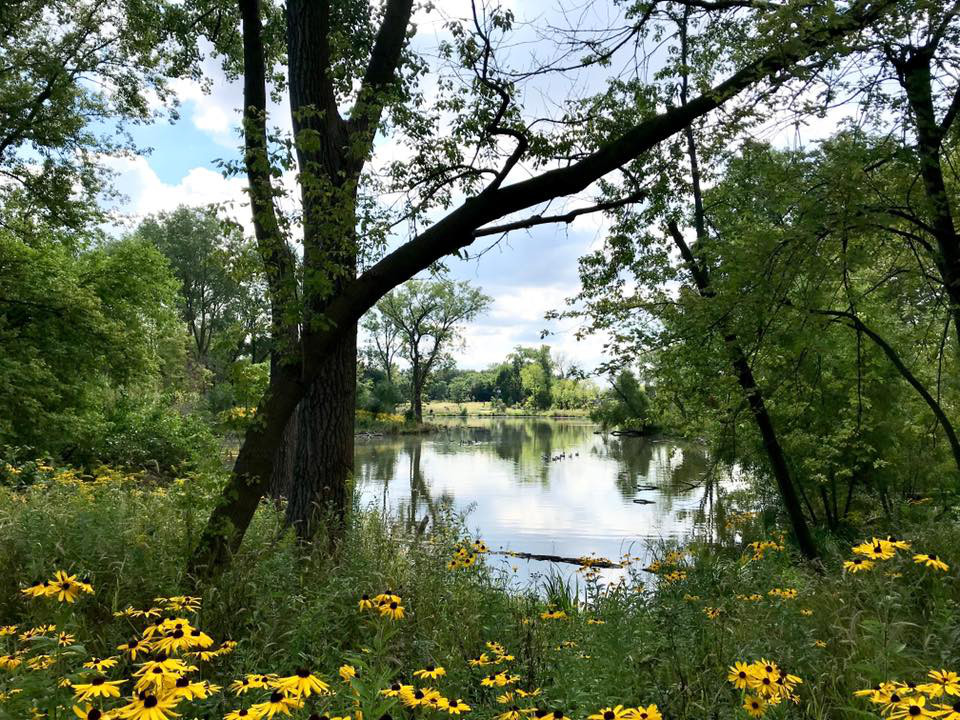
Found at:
<point>150,701</point>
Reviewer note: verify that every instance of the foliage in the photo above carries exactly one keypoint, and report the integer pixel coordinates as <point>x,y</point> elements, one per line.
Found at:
<point>624,406</point>
<point>670,643</point>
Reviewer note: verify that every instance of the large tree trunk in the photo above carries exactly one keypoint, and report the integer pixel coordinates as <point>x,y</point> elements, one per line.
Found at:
<point>318,491</point>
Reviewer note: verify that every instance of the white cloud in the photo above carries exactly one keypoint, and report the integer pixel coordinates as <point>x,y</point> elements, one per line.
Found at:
<point>145,193</point>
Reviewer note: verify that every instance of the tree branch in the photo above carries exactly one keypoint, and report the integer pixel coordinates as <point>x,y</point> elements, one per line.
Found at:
<point>568,217</point>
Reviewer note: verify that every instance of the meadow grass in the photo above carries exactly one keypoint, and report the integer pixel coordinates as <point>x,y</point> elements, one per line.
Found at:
<point>666,636</point>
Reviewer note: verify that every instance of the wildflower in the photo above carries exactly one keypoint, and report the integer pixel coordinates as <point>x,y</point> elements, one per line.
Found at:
<point>277,703</point>
<point>479,547</point>
<point>650,712</point>
<point>430,671</point>
<point>528,693</point>
<point>348,672</point>
<point>949,712</point>
<point>395,689</point>
<point>505,698</point>
<point>755,706</point>
<point>101,665</point>
<point>392,610</point>
<point>416,697</point>
<point>134,648</point>
<point>146,706</point>
<point>66,588</point>
<point>675,576</point>
<point>876,549</point>
<point>242,714</point>
<point>783,593</point>
<point>38,589</point>
<point>303,683</point>
<point>97,687</point>
<point>857,564</point>
<point>944,682</point>
<point>514,713</point>
<point>806,612</point>
<point>64,639</point>
<point>819,644</point>
<point>932,561</point>
<point>8,630</point>
<point>596,621</point>
<point>712,612</point>
<point>90,713</point>
<point>480,660</point>
<point>739,674</point>
<point>553,615</point>
<point>899,544</point>
<point>365,602</point>
<point>911,707</point>
<point>610,713</point>
<point>455,707</point>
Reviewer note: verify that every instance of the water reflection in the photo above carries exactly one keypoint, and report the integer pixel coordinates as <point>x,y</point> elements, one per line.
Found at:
<point>543,486</point>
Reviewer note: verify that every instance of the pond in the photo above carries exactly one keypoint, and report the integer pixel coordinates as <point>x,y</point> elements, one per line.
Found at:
<point>542,486</point>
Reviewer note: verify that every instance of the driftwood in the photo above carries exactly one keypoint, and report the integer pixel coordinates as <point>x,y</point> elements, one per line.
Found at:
<point>593,562</point>
<point>647,487</point>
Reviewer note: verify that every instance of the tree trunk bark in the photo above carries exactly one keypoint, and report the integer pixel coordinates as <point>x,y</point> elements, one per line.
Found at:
<point>318,494</point>
<point>915,77</point>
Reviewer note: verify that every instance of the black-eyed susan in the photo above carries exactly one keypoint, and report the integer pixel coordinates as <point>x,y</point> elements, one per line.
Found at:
<point>739,675</point>
<point>96,688</point>
<point>931,561</point>
<point>479,661</point>
<point>365,602</point>
<point>912,707</point>
<point>456,707</point>
<point>431,672</point>
<point>506,698</point>
<point>553,615</point>
<point>8,630</point>
<point>754,705</point>
<point>415,697</point>
<point>347,672</point>
<point>90,713</point>
<point>395,689</point>
<point>651,712</point>
<point>147,706</point>
<point>514,713</point>
<point>528,693</point>
<point>37,589</point>
<point>610,713</point>
<point>277,704</point>
<point>66,588</point>
<point>302,683</point>
<point>393,610</point>
<point>944,682</point>
<point>898,543</point>
<point>134,647</point>
<point>876,549</point>
<point>949,711</point>
<point>241,714</point>
<point>857,564</point>
<point>100,665</point>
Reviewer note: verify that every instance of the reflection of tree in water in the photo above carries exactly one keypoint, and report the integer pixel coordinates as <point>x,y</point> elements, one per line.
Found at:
<point>527,443</point>
<point>421,498</point>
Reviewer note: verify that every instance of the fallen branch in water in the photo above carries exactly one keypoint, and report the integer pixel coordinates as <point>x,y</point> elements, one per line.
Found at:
<point>586,561</point>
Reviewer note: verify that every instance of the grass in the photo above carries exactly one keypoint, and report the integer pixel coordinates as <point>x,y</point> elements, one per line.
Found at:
<point>665,637</point>
<point>487,409</point>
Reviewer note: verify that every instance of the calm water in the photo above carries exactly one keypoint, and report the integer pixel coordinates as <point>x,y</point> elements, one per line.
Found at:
<point>519,494</point>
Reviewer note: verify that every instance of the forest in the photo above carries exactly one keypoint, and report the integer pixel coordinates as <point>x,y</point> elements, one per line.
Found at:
<point>206,395</point>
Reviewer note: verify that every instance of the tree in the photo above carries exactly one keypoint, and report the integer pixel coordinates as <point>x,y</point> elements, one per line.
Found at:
<point>384,341</point>
<point>222,303</point>
<point>314,325</point>
<point>427,315</point>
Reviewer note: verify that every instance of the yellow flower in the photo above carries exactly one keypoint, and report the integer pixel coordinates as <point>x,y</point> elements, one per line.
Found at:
<point>149,707</point>
<point>90,713</point>
<point>348,672</point>
<point>241,714</point>
<point>134,648</point>
<point>396,689</point>
<point>8,630</point>
<point>651,712</point>
<point>482,659</point>
<point>277,704</point>
<point>101,665</point>
<point>455,707</point>
<point>806,612</point>
<point>392,610</point>
<point>857,564</point>
<point>949,712</point>
<point>944,682</point>
<point>97,687</point>
<point>430,672</point>
<point>911,707</point>
<point>554,615</point>
<point>610,713</point>
<point>514,713</point>
<point>365,602</point>
<point>739,675</point>
<point>876,549</point>
<point>303,683</point>
<point>932,561</point>
<point>505,698</point>
<point>755,706</point>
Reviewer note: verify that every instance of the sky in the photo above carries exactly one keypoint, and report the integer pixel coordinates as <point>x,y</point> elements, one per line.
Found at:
<point>528,275</point>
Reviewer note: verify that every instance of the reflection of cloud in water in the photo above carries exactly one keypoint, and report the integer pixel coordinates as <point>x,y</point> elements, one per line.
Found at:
<point>524,501</point>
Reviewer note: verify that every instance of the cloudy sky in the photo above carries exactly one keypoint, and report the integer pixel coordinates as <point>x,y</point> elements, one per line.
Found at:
<point>528,275</point>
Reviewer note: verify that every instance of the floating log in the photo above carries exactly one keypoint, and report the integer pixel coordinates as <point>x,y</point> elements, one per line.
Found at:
<point>591,562</point>
<point>643,501</point>
<point>647,487</point>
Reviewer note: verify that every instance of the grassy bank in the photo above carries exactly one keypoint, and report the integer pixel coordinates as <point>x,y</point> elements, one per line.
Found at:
<point>488,409</point>
<point>666,641</point>
<point>389,424</point>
